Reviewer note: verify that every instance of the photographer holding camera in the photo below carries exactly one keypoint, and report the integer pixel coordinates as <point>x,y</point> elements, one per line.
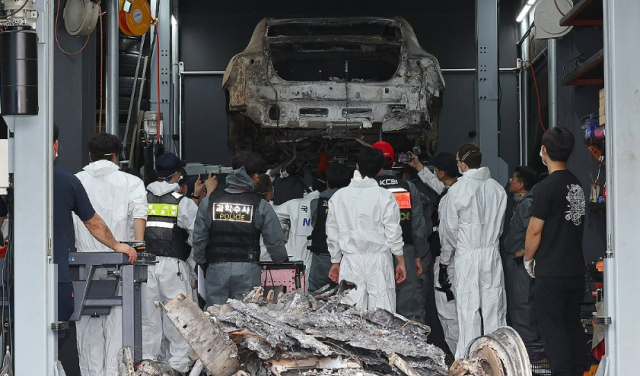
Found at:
<point>414,234</point>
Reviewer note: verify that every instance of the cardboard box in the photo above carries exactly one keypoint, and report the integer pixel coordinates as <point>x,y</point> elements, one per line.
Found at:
<point>601,120</point>
<point>601,93</point>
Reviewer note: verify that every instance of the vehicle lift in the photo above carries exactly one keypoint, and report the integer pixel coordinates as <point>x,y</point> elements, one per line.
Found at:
<point>103,280</point>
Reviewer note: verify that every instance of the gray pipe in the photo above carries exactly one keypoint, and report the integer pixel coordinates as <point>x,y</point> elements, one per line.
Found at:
<point>444,70</point>
<point>553,82</point>
<point>112,72</point>
<point>473,70</point>
<point>175,78</point>
<point>180,106</point>
<point>202,73</point>
<point>521,128</point>
<point>525,103</point>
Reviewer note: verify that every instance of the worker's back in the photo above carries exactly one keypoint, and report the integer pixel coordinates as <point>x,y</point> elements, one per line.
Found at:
<point>360,210</point>
<point>480,203</point>
<point>298,212</point>
<point>117,197</point>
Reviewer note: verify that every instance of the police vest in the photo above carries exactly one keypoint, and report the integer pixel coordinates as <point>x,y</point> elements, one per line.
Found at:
<point>233,236</point>
<point>319,234</point>
<point>402,193</point>
<point>434,238</point>
<point>162,236</point>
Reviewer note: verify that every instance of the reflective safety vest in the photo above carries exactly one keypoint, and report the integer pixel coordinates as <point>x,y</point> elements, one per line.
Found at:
<point>162,236</point>
<point>319,234</point>
<point>233,236</point>
<point>402,193</point>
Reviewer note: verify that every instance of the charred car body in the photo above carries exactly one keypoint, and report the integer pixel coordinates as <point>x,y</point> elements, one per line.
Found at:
<point>304,85</point>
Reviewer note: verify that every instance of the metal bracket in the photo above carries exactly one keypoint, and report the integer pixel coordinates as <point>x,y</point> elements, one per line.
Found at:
<point>603,320</point>
<point>29,18</point>
<point>59,326</point>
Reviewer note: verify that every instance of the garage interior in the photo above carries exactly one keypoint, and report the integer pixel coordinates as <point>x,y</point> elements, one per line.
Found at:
<point>511,68</point>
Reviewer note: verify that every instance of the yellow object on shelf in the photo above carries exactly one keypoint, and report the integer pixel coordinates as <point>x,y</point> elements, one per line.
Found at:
<point>135,17</point>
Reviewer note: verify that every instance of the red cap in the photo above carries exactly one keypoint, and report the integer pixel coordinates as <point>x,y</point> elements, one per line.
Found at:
<point>387,150</point>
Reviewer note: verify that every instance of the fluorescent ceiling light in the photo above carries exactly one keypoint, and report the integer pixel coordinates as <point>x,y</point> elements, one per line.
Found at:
<point>531,2</point>
<point>175,22</point>
<point>523,13</point>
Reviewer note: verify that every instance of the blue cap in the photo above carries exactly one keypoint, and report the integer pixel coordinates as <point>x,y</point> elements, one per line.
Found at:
<point>168,162</point>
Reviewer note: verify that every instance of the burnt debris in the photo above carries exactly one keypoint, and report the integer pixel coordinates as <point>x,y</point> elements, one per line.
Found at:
<point>304,335</point>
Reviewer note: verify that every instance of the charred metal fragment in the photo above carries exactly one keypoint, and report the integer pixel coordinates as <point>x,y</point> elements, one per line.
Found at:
<point>212,345</point>
<point>300,335</point>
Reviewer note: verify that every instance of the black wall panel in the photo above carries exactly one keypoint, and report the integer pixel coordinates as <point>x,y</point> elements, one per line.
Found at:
<point>212,32</point>
<point>74,99</point>
<point>205,125</point>
<point>574,102</point>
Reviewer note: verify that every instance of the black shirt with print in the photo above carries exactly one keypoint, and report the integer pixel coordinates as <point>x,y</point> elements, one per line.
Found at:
<point>559,201</point>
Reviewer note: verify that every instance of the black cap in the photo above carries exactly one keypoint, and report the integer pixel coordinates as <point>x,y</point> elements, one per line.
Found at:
<point>168,162</point>
<point>445,162</point>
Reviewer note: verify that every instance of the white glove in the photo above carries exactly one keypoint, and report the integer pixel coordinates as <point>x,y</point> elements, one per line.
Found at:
<point>529,266</point>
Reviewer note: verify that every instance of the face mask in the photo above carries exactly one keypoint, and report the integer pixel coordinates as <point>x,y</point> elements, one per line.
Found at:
<point>460,170</point>
<point>55,156</point>
<point>541,157</point>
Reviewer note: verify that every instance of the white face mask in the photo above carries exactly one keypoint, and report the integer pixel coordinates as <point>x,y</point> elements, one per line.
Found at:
<point>55,156</point>
<point>460,170</point>
<point>541,157</point>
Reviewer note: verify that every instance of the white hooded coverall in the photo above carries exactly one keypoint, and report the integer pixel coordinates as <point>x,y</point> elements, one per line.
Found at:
<point>471,224</point>
<point>446,309</point>
<point>363,234</point>
<point>298,211</point>
<point>118,198</point>
<point>166,279</point>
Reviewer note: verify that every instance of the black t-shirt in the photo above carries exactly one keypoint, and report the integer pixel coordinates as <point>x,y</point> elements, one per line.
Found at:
<point>559,200</point>
<point>68,196</point>
<point>3,208</point>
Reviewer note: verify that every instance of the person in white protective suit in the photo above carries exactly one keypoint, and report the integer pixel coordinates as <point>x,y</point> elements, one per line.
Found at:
<point>121,200</point>
<point>471,225</point>
<point>441,180</point>
<point>363,236</point>
<point>168,235</point>
<point>298,213</point>
<point>263,187</point>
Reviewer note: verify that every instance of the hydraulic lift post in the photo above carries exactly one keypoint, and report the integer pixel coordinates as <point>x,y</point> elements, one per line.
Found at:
<point>622,97</point>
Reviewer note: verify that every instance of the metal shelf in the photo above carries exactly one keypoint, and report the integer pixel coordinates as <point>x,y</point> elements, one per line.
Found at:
<point>591,72</point>
<point>584,13</point>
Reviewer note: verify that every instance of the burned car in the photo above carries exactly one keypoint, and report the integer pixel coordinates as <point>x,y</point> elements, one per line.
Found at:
<point>333,84</point>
